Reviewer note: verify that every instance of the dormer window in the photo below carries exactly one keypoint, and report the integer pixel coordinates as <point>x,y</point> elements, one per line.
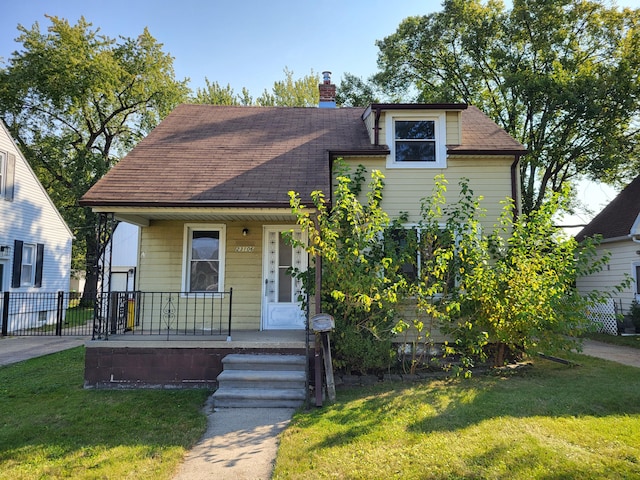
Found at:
<point>415,141</point>
<point>418,141</point>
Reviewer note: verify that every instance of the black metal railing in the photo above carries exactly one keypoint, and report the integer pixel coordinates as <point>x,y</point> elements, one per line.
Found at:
<point>45,314</point>
<point>171,314</point>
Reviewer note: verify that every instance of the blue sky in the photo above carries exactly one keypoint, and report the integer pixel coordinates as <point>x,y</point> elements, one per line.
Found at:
<point>245,43</point>
<point>248,43</point>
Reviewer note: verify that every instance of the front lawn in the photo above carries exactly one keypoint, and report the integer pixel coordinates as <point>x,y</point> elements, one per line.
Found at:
<point>50,427</point>
<point>548,421</point>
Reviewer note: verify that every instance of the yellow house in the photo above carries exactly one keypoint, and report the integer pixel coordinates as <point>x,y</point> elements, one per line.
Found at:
<point>209,184</point>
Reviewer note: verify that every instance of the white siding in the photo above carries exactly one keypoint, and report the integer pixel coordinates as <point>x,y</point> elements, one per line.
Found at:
<point>623,257</point>
<point>32,218</point>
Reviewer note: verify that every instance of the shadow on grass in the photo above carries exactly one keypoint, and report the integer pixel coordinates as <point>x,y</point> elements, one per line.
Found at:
<point>595,388</point>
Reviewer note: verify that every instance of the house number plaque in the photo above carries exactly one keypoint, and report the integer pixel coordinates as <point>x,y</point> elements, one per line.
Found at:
<point>245,249</point>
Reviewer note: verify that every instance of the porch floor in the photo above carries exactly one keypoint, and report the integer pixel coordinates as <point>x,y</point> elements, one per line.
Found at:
<point>267,339</point>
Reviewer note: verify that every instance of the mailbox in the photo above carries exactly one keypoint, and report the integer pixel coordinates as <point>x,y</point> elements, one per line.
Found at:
<point>322,322</point>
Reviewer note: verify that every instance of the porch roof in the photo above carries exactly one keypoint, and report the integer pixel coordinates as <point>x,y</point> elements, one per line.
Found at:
<point>141,216</point>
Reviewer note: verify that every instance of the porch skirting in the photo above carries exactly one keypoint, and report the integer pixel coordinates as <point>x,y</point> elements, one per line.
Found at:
<point>146,362</point>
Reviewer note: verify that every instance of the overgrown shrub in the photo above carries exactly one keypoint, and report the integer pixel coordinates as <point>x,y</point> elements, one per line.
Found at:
<point>504,293</point>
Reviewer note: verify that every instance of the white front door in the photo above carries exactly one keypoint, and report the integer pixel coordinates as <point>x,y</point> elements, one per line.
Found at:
<point>281,309</point>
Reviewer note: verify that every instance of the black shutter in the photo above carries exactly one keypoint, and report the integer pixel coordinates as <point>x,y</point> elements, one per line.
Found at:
<point>17,264</point>
<point>11,173</point>
<point>39,264</point>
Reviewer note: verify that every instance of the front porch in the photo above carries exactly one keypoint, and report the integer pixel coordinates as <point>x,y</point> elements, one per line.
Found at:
<point>161,361</point>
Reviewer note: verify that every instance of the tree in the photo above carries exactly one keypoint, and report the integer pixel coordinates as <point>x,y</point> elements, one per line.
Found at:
<point>355,92</point>
<point>561,76</point>
<point>302,92</point>
<point>509,292</point>
<point>77,101</point>
<point>214,94</point>
<point>356,290</point>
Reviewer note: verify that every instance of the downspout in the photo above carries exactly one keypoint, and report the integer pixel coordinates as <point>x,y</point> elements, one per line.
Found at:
<point>514,185</point>
<point>376,127</point>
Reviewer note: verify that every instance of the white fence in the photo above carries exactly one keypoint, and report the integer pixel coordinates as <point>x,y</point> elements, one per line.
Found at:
<point>604,316</point>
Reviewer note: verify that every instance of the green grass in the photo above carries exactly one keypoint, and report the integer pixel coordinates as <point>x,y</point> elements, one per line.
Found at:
<point>50,427</point>
<point>622,340</point>
<point>550,421</point>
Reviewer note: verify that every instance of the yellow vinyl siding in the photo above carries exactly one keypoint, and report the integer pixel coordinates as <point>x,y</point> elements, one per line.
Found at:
<point>454,136</point>
<point>488,177</point>
<point>161,266</point>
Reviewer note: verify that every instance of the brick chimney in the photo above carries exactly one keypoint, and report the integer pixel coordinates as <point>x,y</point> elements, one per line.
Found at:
<point>327,92</point>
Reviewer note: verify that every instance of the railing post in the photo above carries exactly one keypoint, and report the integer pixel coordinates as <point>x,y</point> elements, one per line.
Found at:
<point>4,319</point>
<point>59,314</point>
<point>230,306</point>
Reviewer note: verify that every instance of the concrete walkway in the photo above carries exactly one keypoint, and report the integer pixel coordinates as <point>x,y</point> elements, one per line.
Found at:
<point>18,349</point>
<point>239,444</point>
<point>625,355</point>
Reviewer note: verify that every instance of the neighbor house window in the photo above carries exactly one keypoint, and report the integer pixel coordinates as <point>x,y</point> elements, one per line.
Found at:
<point>418,142</point>
<point>28,270</point>
<point>204,258</point>
<point>28,260</point>
<point>637,268</point>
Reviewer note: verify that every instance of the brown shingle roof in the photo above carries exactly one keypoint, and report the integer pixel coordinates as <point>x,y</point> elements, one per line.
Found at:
<point>617,218</point>
<point>231,156</point>
<point>481,135</point>
<point>219,155</point>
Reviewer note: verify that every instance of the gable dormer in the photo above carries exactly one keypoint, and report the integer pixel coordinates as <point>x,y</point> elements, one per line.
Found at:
<point>417,135</point>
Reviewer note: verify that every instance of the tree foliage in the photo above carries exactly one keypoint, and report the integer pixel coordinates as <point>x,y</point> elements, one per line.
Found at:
<point>561,76</point>
<point>355,289</point>
<point>214,94</point>
<point>77,101</point>
<point>290,92</point>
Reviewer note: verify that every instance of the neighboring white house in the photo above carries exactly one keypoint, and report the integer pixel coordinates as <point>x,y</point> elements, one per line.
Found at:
<point>35,242</point>
<point>619,226</point>
<point>123,257</point>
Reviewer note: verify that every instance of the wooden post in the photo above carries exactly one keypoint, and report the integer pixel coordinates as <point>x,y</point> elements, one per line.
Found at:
<point>328,368</point>
<point>318,309</point>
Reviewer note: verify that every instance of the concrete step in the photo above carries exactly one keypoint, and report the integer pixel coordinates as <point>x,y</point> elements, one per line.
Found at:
<point>281,379</point>
<point>254,397</point>
<point>256,362</point>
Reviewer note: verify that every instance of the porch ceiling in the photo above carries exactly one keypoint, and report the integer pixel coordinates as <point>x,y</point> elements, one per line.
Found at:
<point>143,216</point>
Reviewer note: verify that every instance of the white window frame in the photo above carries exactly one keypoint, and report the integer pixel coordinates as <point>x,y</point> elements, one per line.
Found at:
<point>189,228</point>
<point>28,282</point>
<point>418,229</point>
<point>439,120</point>
<point>635,266</point>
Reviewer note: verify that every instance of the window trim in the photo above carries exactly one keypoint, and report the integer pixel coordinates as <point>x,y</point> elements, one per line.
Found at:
<point>439,120</point>
<point>418,253</point>
<point>189,228</point>
<point>23,264</point>
<point>635,273</point>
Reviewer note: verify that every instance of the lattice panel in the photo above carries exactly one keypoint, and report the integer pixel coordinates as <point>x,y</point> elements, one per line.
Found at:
<point>604,315</point>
